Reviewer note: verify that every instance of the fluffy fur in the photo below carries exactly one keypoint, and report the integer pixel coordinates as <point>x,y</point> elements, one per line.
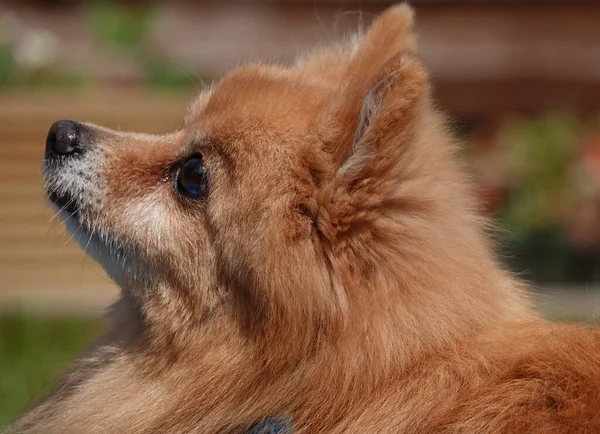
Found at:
<point>338,272</point>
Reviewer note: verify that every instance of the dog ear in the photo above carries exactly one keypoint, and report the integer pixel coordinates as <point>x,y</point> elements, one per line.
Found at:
<point>390,34</point>
<point>373,121</point>
<point>383,70</point>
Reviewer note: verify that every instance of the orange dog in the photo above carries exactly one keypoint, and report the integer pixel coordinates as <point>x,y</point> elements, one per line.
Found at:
<point>305,250</point>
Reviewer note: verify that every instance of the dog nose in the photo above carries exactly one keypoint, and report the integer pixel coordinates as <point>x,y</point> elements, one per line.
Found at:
<point>64,138</point>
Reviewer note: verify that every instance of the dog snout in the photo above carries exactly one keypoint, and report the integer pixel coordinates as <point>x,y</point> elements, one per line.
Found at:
<point>65,138</point>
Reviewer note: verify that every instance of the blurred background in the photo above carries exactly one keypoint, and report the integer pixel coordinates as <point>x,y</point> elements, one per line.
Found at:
<point>521,80</point>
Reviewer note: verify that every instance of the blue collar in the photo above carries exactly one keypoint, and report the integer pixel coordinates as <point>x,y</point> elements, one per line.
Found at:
<point>273,425</point>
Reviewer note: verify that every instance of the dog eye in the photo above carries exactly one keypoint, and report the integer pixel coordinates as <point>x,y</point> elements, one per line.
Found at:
<point>191,178</point>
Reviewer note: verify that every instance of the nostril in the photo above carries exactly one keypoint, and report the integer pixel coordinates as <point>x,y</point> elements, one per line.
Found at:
<point>64,138</point>
<point>50,142</point>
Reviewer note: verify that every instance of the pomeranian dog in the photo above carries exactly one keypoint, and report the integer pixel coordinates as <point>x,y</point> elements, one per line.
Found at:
<point>304,255</point>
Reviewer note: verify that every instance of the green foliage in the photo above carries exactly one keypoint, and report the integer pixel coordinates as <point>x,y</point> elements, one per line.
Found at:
<point>545,174</point>
<point>160,74</point>
<point>32,58</point>
<point>33,351</point>
<point>118,25</point>
<point>53,78</point>
<point>539,162</point>
<point>127,28</point>
<point>6,65</point>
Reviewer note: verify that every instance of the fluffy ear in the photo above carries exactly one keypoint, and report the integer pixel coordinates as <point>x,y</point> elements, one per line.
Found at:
<point>383,67</point>
<point>390,34</point>
<point>374,121</point>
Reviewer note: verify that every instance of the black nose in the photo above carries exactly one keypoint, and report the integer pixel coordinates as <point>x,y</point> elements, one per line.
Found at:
<point>64,138</point>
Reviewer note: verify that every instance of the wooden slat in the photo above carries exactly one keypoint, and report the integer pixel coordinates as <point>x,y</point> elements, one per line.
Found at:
<point>37,259</point>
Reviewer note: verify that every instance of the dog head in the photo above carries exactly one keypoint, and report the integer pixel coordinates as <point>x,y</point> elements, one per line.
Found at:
<point>294,199</point>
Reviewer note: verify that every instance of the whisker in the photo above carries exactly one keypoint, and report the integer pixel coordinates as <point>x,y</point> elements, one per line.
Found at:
<point>74,233</point>
<point>89,241</point>
<point>56,187</point>
<point>85,249</point>
<point>61,210</point>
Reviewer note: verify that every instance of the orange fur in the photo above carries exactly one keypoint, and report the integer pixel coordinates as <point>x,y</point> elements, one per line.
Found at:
<point>338,272</point>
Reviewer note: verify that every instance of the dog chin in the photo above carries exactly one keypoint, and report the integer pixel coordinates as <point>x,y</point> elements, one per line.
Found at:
<point>97,248</point>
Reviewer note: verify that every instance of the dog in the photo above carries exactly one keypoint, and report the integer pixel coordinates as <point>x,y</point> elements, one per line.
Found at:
<point>305,255</point>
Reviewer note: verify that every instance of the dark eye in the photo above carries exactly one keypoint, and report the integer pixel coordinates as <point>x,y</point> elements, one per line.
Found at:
<point>191,178</point>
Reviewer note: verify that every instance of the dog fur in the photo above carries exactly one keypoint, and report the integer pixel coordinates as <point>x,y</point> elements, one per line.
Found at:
<point>338,273</point>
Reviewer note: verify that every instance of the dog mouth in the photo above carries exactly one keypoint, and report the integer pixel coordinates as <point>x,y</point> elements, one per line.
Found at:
<point>65,202</point>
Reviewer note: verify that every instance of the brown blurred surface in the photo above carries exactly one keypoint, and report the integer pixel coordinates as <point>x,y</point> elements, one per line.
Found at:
<point>39,263</point>
<point>485,57</point>
<point>487,60</point>
<point>41,268</point>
